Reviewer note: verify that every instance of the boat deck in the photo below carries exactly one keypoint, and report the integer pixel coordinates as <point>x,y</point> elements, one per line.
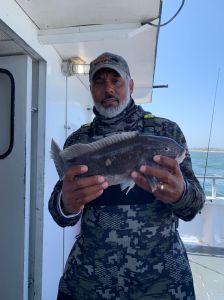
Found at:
<point>208,273</point>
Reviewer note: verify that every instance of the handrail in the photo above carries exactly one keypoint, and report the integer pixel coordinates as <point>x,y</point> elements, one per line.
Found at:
<point>213,179</point>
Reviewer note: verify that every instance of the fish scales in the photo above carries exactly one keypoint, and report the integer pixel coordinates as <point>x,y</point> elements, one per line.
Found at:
<point>116,157</point>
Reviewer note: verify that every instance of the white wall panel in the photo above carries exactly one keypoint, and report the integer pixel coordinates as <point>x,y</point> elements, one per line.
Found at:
<point>15,187</point>
<point>57,241</point>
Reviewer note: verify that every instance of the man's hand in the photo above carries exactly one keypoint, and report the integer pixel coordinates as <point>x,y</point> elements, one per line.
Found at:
<point>170,186</point>
<point>77,191</point>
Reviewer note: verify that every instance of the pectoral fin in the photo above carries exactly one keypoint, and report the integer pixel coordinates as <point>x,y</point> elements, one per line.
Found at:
<point>127,184</point>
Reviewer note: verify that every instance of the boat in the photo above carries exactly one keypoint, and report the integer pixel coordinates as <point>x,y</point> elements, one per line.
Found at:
<point>204,240</point>
<point>45,50</point>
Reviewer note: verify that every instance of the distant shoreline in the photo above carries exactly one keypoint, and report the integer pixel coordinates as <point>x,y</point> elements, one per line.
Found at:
<point>205,150</point>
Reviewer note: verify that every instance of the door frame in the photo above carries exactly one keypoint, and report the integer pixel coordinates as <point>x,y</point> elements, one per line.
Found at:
<point>37,163</point>
<point>38,125</point>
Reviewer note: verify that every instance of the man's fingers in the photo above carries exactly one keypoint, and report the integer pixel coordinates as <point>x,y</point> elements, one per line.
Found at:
<point>74,199</point>
<point>141,181</point>
<point>164,173</point>
<point>90,188</point>
<point>74,171</point>
<point>81,186</point>
<point>159,174</point>
<point>168,163</point>
<point>89,193</point>
<point>90,196</point>
<point>80,183</point>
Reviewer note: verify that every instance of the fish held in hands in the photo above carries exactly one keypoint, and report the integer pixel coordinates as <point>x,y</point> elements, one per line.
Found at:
<point>116,156</point>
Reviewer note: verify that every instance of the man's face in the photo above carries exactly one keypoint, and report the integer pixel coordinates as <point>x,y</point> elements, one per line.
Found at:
<point>110,92</point>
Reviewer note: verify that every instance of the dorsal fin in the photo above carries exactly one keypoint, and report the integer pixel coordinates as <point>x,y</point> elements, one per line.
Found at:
<point>76,150</point>
<point>55,155</point>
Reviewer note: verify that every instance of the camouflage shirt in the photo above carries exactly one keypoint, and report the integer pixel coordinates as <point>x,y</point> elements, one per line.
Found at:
<point>129,246</point>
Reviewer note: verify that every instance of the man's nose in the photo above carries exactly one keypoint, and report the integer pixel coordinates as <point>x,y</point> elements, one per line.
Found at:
<point>108,87</point>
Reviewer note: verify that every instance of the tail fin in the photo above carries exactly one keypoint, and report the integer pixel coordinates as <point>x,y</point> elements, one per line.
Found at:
<point>55,155</point>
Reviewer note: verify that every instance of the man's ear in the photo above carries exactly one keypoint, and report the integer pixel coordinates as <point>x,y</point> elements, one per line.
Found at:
<point>131,85</point>
<point>90,88</point>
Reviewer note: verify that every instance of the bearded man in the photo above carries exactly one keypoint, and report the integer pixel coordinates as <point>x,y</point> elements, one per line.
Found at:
<point>129,246</point>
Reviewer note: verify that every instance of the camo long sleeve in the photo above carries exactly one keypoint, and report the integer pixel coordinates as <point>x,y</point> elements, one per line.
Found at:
<point>193,199</point>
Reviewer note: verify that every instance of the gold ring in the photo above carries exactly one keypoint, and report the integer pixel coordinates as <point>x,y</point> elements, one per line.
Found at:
<point>162,187</point>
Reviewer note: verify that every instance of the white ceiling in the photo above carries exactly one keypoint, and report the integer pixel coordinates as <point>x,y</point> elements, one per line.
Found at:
<point>48,14</point>
<point>87,28</point>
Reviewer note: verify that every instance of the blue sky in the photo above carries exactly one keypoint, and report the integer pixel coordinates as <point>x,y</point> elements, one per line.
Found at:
<point>190,53</point>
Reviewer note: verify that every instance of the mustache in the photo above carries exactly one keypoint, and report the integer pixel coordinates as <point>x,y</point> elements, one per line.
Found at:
<point>108,97</point>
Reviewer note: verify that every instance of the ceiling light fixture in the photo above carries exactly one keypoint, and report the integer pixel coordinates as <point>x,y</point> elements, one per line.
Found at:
<point>74,66</point>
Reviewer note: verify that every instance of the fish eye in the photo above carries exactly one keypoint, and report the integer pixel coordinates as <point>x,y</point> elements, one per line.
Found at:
<point>166,149</point>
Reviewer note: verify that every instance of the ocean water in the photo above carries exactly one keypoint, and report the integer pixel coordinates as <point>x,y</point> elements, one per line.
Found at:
<point>215,167</point>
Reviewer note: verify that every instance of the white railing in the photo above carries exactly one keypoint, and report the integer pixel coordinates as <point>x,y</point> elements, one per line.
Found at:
<point>213,185</point>
<point>206,228</point>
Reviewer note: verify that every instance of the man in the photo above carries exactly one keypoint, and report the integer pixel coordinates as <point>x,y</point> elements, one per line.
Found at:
<point>129,247</point>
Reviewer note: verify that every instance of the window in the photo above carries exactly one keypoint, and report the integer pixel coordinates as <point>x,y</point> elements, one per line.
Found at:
<point>7,102</point>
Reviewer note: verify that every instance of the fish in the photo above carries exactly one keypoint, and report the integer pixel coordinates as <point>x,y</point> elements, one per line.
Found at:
<point>116,156</point>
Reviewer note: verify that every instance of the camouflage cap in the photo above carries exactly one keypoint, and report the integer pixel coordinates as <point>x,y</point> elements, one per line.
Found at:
<point>111,61</point>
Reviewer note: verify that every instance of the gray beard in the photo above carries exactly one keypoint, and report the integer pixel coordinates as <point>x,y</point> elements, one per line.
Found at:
<point>111,112</point>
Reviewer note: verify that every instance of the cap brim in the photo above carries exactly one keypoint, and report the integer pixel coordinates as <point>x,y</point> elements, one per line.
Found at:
<point>106,66</point>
